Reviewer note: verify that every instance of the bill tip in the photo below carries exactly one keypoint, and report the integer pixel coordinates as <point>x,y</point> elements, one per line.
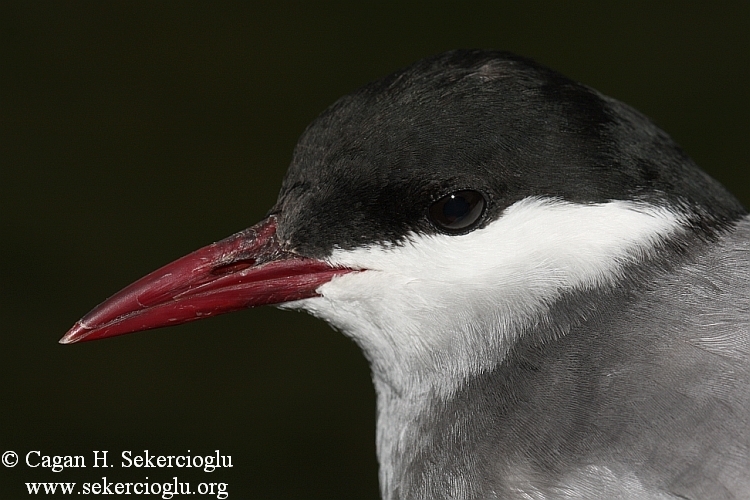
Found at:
<point>75,334</point>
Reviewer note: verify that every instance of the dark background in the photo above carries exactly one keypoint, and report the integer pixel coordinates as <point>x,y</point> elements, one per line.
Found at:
<point>132,133</point>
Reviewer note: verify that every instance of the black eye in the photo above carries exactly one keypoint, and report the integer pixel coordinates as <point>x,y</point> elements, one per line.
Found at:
<point>458,212</point>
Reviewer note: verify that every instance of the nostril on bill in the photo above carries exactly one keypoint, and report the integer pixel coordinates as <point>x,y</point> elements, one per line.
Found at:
<point>233,267</point>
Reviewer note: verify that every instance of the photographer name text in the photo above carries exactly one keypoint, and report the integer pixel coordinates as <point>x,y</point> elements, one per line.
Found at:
<point>128,459</point>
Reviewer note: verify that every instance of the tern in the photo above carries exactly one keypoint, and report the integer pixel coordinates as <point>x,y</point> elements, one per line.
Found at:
<point>553,298</point>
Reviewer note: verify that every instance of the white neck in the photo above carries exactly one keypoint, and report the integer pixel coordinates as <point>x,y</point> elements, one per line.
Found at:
<point>435,309</point>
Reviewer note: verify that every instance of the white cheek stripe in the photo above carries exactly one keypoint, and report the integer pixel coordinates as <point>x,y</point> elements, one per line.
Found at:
<point>454,302</point>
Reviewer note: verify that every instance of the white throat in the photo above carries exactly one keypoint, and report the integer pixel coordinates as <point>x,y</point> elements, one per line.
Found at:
<point>437,308</point>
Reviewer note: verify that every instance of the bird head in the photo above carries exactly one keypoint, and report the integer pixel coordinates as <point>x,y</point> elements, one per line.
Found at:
<point>436,213</point>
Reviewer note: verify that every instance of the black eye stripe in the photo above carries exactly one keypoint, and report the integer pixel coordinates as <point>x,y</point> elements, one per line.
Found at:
<point>458,212</point>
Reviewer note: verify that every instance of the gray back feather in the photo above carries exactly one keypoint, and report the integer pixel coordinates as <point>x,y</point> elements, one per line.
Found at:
<point>642,391</point>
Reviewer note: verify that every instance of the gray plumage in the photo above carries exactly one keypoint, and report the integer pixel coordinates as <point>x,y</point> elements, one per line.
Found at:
<point>606,399</point>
